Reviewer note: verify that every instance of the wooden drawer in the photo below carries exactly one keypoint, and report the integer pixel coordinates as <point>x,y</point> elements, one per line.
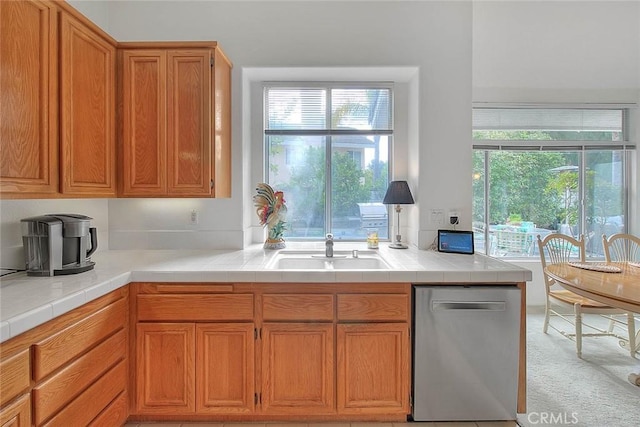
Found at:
<point>18,414</point>
<point>55,351</point>
<point>114,415</point>
<point>297,307</point>
<point>58,390</point>
<point>373,307</point>
<point>195,307</point>
<point>184,288</point>
<point>15,376</point>
<point>92,401</point>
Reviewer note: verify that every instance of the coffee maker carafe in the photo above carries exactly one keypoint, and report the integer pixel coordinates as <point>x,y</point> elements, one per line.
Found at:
<point>58,244</point>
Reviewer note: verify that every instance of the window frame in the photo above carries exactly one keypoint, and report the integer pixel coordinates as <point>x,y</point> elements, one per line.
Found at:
<point>330,132</point>
<point>582,147</point>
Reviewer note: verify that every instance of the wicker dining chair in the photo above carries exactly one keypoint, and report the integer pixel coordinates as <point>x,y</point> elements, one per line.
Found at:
<point>557,248</point>
<point>622,247</point>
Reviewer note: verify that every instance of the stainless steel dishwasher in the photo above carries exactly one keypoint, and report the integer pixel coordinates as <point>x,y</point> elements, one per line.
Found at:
<point>465,352</point>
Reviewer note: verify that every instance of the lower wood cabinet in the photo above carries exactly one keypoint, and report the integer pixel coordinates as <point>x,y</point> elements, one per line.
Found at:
<point>165,368</point>
<point>17,414</point>
<point>70,371</point>
<point>248,352</point>
<point>373,368</point>
<point>184,368</point>
<point>225,374</point>
<point>194,349</point>
<point>298,368</point>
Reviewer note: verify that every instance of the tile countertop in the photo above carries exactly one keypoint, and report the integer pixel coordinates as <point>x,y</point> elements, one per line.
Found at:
<point>26,302</point>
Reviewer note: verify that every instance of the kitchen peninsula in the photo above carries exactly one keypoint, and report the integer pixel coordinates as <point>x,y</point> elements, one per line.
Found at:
<point>225,323</point>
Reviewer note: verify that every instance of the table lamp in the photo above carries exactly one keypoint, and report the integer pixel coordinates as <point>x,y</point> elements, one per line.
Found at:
<point>398,193</point>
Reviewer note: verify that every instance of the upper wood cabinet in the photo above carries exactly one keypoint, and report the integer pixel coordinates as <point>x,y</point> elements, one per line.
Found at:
<point>57,103</point>
<point>175,117</point>
<point>28,98</point>
<point>59,122</point>
<point>87,110</point>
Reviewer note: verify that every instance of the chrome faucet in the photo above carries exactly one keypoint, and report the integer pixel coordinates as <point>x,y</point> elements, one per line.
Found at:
<point>328,243</point>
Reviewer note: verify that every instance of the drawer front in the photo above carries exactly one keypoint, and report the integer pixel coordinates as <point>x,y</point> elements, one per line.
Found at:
<point>297,307</point>
<point>62,347</point>
<point>54,393</point>
<point>373,307</point>
<point>114,415</point>
<point>15,378</point>
<point>203,307</point>
<point>17,414</point>
<point>185,288</point>
<point>94,400</point>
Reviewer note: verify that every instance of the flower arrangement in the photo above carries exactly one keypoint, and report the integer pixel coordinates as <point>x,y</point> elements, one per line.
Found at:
<point>271,209</point>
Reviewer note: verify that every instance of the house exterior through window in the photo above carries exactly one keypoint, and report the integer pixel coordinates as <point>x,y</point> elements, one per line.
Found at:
<point>327,146</point>
<point>543,170</point>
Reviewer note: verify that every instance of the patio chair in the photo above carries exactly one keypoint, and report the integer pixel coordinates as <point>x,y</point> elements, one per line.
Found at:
<point>559,248</point>
<point>510,243</point>
<point>622,247</point>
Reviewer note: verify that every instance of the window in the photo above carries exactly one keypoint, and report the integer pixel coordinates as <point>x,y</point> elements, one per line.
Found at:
<point>543,170</point>
<point>327,147</point>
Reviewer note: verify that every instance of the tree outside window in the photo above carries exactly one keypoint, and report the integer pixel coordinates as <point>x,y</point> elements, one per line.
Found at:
<point>354,148</point>
<point>538,181</point>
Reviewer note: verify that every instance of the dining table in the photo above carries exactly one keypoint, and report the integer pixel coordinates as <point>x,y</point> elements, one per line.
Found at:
<point>616,284</point>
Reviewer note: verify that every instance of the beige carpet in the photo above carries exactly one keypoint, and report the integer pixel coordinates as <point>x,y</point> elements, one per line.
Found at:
<point>566,391</point>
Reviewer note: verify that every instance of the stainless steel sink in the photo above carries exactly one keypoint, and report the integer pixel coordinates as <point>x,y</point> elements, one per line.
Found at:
<point>316,260</point>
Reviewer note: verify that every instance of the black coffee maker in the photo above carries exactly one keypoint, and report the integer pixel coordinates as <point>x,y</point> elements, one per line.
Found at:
<point>58,244</point>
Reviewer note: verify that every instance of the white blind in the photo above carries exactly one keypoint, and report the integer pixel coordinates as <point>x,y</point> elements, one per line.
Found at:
<point>296,108</point>
<point>328,110</point>
<point>549,119</point>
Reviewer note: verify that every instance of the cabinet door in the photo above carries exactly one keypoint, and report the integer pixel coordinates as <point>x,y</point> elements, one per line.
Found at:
<point>373,368</point>
<point>144,147</point>
<point>225,368</point>
<point>87,115</point>
<point>298,368</point>
<point>28,84</point>
<point>189,122</point>
<point>165,368</point>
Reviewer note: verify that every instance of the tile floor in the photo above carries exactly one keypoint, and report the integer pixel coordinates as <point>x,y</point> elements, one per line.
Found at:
<point>415,424</point>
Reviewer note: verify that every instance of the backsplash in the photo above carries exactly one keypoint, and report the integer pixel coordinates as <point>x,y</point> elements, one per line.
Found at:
<point>131,223</point>
<point>187,223</point>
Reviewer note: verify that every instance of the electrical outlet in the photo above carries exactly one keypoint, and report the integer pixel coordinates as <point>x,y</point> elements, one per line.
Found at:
<point>454,217</point>
<point>437,216</point>
<point>193,219</point>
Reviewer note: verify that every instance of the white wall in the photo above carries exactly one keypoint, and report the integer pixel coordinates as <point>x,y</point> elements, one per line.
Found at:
<point>96,10</point>
<point>556,51</point>
<point>432,36</point>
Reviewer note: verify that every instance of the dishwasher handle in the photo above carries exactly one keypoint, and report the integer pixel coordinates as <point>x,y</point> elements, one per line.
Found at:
<point>468,305</point>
